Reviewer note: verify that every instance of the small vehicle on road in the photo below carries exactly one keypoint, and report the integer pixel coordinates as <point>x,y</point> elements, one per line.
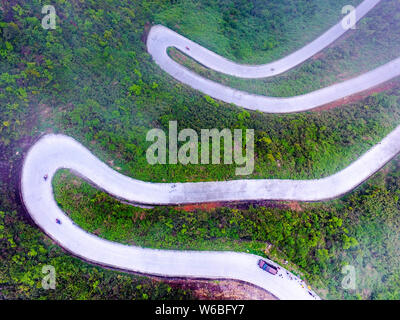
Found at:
<point>58,221</point>
<point>267,267</point>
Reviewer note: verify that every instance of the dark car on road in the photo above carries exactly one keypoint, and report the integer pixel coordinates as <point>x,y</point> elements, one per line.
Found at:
<point>267,267</point>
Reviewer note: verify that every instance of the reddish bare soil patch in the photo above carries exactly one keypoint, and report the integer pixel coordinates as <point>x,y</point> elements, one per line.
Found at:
<point>360,96</point>
<point>222,290</point>
<point>318,56</point>
<point>201,206</point>
<point>146,32</point>
<point>294,205</point>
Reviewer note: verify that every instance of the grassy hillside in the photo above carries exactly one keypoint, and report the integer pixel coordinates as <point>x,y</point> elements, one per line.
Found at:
<point>253,31</point>
<point>91,78</point>
<point>374,42</point>
<point>318,239</point>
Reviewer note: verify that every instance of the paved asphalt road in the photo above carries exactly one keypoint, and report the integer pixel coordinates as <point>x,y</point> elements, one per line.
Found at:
<point>53,152</point>
<point>161,38</point>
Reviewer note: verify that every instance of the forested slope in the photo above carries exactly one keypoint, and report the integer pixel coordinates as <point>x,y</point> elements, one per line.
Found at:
<point>91,78</point>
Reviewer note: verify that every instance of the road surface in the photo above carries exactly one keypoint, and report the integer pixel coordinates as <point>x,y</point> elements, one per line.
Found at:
<point>54,152</point>
<point>161,38</point>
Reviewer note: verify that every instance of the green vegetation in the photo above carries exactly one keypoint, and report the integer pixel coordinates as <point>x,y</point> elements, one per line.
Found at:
<point>86,91</point>
<point>254,31</point>
<point>361,230</point>
<point>374,43</point>
<point>91,78</point>
<point>25,250</point>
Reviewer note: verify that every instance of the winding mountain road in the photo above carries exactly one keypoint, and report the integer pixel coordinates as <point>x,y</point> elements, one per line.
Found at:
<point>54,152</point>
<point>161,38</point>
